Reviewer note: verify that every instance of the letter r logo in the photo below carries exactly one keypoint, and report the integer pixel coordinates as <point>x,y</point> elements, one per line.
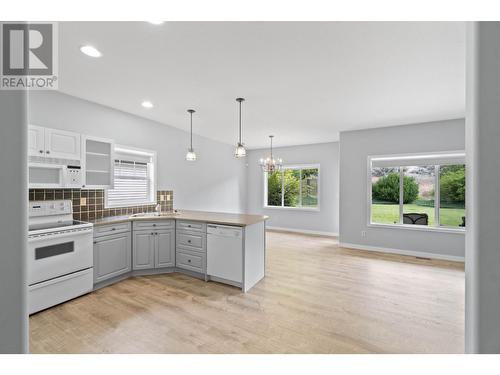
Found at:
<point>27,49</point>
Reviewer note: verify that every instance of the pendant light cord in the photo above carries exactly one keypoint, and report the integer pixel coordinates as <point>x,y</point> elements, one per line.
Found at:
<point>240,122</point>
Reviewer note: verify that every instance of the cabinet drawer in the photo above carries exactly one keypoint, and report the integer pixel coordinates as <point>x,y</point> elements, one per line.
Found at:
<point>196,240</point>
<point>154,224</point>
<point>190,261</point>
<point>105,230</point>
<point>191,226</point>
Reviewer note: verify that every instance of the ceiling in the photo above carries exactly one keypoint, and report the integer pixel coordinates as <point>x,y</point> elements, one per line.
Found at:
<point>303,81</point>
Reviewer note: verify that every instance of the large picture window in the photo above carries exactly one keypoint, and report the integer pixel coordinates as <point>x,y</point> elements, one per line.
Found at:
<point>134,178</point>
<point>293,187</point>
<point>424,190</point>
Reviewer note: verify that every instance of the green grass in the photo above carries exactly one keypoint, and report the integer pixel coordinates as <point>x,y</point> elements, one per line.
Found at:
<point>389,213</point>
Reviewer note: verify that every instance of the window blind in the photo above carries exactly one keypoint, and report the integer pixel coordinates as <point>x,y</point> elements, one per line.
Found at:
<point>132,184</point>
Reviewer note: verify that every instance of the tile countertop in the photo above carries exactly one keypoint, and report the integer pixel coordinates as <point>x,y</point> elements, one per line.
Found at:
<point>240,220</point>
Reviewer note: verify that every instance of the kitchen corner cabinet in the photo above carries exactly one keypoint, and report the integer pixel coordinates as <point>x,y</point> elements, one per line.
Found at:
<point>153,245</point>
<point>112,256</point>
<point>98,162</point>
<point>53,143</point>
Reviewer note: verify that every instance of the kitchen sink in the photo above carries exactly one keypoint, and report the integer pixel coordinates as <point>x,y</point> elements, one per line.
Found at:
<point>153,214</point>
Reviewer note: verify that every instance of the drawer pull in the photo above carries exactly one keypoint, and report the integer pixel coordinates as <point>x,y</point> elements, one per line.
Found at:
<point>154,225</point>
<point>189,241</point>
<point>113,228</point>
<point>152,233</point>
<point>189,260</point>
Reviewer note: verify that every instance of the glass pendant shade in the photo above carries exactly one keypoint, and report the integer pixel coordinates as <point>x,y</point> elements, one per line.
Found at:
<point>191,155</point>
<point>271,164</point>
<point>240,151</point>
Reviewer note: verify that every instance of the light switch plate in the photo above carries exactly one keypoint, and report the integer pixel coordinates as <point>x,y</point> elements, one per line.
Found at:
<point>83,201</point>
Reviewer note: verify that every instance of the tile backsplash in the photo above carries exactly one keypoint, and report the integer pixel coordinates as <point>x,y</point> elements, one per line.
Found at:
<point>89,204</point>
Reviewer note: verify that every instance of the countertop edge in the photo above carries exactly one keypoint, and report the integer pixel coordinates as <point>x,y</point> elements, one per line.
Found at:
<point>188,216</point>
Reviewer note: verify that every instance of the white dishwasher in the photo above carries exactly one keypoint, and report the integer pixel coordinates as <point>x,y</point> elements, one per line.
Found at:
<point>225,252</point>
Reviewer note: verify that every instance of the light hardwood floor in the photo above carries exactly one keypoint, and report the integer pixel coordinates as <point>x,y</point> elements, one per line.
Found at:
<point>316,298</point>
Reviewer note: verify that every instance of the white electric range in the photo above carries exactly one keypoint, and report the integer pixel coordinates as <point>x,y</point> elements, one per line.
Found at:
<point>60,254</point>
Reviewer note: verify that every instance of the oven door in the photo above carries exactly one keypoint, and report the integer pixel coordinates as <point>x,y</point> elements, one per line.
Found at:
<point>46,175</point>
<point>58,254</point>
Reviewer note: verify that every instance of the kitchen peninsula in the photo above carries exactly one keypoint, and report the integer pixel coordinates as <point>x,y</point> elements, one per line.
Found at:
<point>222,247</point>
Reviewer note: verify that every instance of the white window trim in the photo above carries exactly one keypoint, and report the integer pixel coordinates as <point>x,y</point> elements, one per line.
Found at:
<point>282,207</point>
<point>154,174</point>
<point>425,228</point>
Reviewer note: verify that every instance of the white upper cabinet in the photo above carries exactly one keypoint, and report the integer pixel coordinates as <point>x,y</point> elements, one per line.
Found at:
<point>36,140</point>
<point>53,143</point>
<point>62,144</point>
<point>98,162</point>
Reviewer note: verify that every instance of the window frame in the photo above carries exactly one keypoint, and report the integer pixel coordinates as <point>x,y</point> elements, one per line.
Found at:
<point>299,208</point>
<point>152,169</point>
<point>437,198</point>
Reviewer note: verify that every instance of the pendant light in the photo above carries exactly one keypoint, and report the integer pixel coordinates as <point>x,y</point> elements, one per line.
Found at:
<point>240,151</point>
<point>191,155</point>
<point>270,164</point>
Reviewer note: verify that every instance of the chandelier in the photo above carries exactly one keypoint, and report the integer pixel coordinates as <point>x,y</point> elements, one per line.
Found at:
<point>270,164</point>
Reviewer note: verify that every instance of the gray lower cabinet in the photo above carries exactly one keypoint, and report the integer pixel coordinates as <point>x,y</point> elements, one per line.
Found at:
<point>153,245</point>
<point>191,246</point>
<point>143,250</point>
<point>112,256</point>
<point>165,248</point>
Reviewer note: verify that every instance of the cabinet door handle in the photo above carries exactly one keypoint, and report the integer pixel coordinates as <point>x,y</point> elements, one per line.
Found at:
<point>113,228</point>
<point>95,242</point>
<point>47,152</point>
<point>41,151</point>
<point>156,233</point>
<point>152,233</point>
<point>189,241</point>
<point>154,225</point>
<point>189,260</point>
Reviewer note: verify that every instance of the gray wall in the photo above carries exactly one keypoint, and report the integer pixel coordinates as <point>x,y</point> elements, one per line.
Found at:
<point>13,222</point>
<point>355,147</point>
<point>215,182</point>
<point>482,271</point>
<point>327,219</point>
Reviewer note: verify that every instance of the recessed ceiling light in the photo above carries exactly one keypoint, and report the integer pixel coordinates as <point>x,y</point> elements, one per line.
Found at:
<point>147,104</point>
<point>156,22</point>
<point>90,51</point>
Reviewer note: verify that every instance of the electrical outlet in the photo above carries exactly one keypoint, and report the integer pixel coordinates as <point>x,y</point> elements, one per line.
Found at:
<point>83,201</point>
<point>363,233</point>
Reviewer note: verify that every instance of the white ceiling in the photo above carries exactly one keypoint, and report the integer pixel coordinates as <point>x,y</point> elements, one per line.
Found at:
<point>303,81</point>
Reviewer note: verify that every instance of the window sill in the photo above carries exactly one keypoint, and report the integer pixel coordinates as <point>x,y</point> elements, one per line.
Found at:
<point>418,228</point>
<point>312,209</point>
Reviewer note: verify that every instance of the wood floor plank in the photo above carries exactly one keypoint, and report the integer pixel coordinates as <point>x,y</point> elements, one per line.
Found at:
<point>316,298</point>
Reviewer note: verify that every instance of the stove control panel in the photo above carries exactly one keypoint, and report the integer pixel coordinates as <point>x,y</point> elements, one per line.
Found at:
<point>47,208</point>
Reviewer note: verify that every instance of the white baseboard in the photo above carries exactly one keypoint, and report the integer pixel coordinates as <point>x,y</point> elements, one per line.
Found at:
<point>303,231</point>
<point>420,254</point>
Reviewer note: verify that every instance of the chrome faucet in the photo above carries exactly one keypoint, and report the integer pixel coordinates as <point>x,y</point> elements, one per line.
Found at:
<point>158,209</point>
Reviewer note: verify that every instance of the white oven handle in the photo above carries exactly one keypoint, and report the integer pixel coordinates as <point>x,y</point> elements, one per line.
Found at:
<point>61,234</point>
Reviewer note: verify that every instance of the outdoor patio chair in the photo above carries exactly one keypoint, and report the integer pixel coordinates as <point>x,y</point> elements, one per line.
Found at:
<point>416,219</point>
